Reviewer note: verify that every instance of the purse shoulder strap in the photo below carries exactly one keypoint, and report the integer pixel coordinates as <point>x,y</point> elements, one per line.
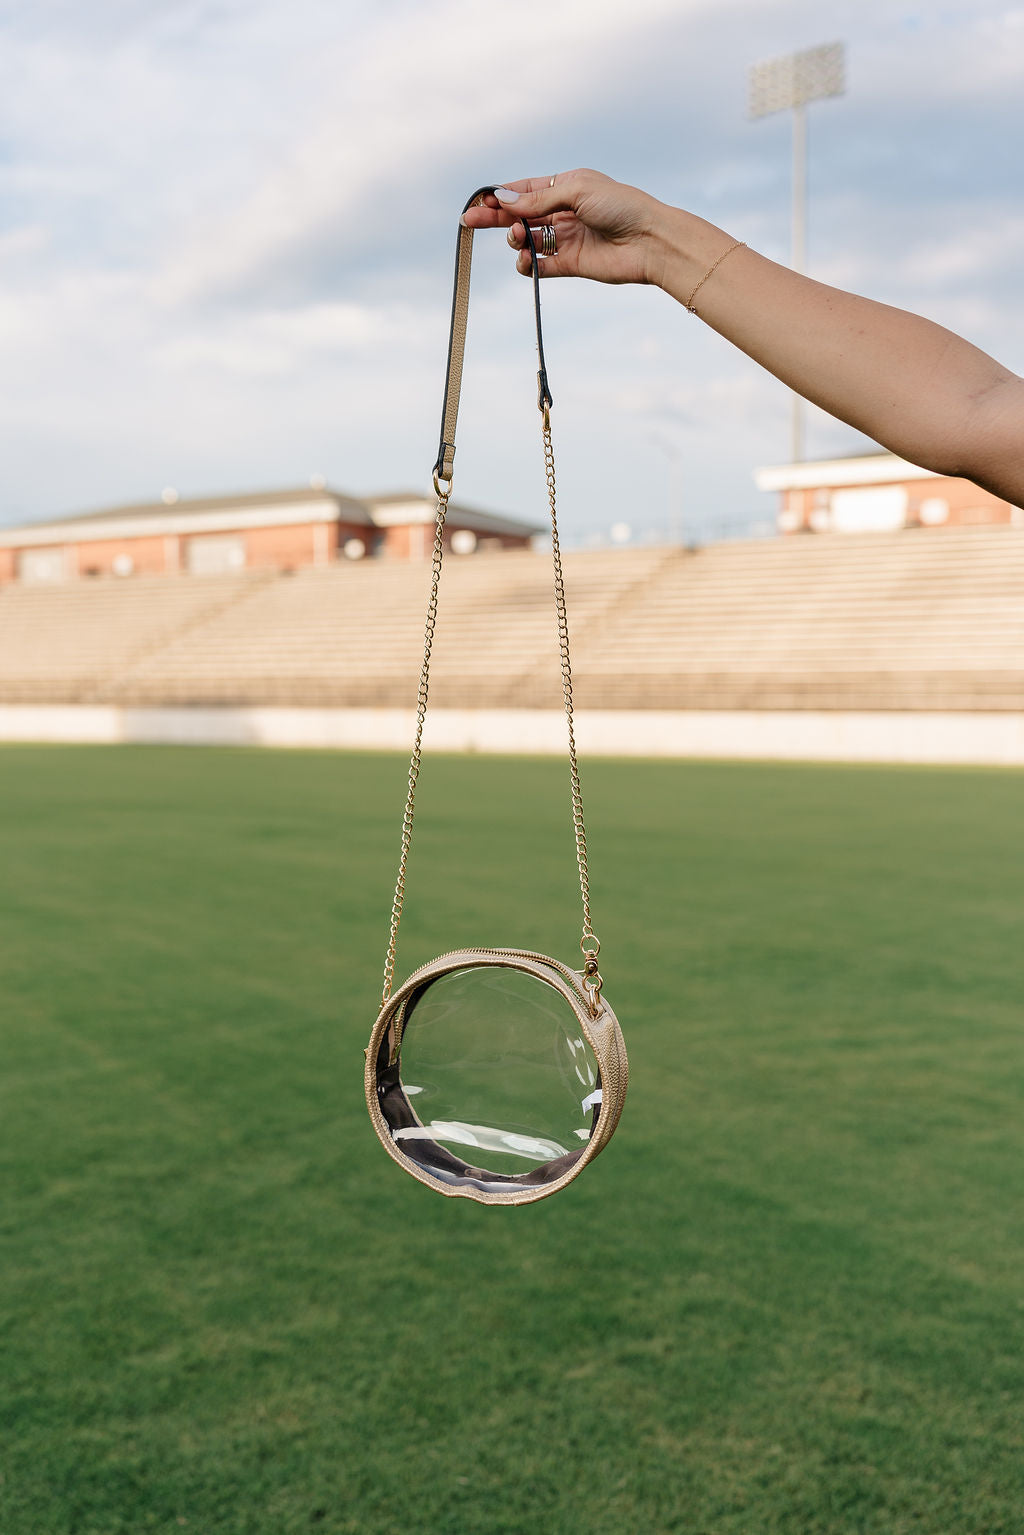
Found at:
<point>444,467</point>
<point>589,943</point>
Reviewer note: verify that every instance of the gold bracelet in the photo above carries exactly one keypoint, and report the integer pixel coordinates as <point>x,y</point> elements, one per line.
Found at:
<point>712,268</point>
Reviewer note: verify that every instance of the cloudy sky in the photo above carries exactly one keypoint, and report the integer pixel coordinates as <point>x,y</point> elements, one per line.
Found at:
<point>227,226</point>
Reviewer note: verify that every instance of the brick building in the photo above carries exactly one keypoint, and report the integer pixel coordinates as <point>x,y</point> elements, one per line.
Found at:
<point>878,493</point>
<point>281,529</point>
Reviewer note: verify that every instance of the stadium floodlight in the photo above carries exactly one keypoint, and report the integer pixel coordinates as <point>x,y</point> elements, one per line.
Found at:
<point>778,85</point>
<point>674,455</point>
<point>790,84</point>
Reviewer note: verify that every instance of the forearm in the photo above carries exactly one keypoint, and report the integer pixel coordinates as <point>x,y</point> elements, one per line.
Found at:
<point>915,387</point>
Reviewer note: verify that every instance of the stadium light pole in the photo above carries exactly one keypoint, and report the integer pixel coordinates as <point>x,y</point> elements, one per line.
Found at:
<point>675,483</point>
<point>789,84</point>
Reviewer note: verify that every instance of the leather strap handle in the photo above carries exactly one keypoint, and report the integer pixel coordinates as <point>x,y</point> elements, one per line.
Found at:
<point>444,466</point>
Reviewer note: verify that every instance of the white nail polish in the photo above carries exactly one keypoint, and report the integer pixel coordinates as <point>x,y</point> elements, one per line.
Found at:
<point>506,195</point>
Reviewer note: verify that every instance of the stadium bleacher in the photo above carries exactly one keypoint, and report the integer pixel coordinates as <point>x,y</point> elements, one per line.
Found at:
<point>885,621</point>
<point>901,621</point>
<point>69,641</point>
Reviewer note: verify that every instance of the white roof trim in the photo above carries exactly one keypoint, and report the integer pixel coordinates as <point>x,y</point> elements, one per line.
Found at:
<point>393,514</point>
<point>155,525</point>
<point>877,469</point>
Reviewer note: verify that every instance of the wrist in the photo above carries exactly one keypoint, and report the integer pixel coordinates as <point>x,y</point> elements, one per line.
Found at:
<point>682,248</point>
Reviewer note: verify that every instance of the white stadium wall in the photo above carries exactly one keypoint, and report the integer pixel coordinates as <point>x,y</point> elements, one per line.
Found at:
<point>785,735</point>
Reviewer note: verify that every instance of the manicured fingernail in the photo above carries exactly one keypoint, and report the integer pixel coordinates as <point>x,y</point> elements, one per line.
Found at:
<point>506,195</point>
<point>462,221</point>
<point>511,238</point>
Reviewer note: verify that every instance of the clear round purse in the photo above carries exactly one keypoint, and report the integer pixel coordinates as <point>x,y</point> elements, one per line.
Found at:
<point>494,1074</point>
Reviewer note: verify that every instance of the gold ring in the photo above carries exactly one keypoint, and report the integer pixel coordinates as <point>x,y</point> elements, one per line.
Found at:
<point>548,240</point>
<point>551,182</point>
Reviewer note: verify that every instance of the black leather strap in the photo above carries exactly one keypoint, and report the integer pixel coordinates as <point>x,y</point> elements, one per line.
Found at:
<point>443,468</point>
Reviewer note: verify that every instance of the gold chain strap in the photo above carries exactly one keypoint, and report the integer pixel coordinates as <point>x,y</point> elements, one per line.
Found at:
<point>417,749</point>
<point>589,943</point>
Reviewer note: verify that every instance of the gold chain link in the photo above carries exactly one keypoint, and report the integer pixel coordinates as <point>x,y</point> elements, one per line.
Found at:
<point>417,751</point>
<point>589,943</point>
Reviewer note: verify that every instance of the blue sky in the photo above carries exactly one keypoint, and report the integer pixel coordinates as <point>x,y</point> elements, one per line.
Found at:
<point>226,234</point>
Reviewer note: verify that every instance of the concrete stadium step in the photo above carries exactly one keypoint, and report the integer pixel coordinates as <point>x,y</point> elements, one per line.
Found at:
<point>921,619</point>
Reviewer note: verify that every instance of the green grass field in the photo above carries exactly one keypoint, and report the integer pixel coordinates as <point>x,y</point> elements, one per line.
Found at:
<point>788,1297</point>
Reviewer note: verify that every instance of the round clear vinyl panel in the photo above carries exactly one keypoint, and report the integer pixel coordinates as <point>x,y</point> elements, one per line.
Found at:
<point>486,1081</point>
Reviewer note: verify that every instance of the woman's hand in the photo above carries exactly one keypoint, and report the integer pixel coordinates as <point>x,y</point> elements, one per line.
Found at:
<point>604,229</point>
<point>921,391</point>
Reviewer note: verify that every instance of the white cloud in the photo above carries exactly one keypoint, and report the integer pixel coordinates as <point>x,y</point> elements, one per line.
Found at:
<point>454,79</point>
<point>225,231</point>
<point>281,341</point>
